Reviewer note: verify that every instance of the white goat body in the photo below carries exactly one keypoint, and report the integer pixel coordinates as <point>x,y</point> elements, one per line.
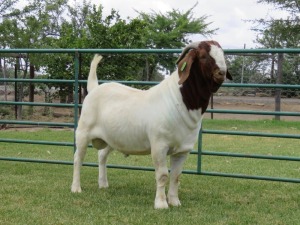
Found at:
<point>129,120</point>
<point>132,121</point>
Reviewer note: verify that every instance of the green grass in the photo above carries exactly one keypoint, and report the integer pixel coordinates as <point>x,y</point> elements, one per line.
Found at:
<point>32,193</point>
<point>253,145</point>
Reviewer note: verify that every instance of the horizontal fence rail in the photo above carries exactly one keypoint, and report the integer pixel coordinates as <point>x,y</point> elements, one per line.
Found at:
<point>146,51</point>
<point>22,122</point>
<point>199,152</point>
<point>150,83</point>
<point>253,134</point>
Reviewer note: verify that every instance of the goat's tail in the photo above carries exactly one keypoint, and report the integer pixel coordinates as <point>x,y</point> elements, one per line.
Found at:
<point>92,79</point>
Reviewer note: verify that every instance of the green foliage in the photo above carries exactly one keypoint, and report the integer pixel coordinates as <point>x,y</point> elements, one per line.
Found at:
<point>281,33</point>
<point>172,30</point>
<point>291,6</point>
<point>44,24</point>
<point>4,111</point>
<point>254,69</point>
<point>32,27</point>
<point>6,6</point>
<point>88,28</point>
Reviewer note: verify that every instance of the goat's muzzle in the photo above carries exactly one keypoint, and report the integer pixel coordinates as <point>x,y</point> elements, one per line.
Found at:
<point>219,76</point>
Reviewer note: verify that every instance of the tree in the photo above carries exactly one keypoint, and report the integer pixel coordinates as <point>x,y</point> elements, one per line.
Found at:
<point>114,32</point>
<point>55,24</point>
<point>292,6</point>
<point>252,69</point>
<point>281,33</point>
<point>29,27</point>
<point>6,6</point>
<point>88,28</point>
<point>171,30</point>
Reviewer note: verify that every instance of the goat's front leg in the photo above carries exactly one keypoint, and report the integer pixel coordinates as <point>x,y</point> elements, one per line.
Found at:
<point>102,157</point>
<point>159,157</point>
<point>177,162</point>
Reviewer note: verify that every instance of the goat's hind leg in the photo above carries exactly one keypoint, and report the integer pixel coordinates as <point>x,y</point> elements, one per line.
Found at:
<point>81,144</point>
<point>102,157</point>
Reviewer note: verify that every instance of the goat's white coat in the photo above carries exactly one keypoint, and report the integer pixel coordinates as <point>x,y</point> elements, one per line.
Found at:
<point>132,121</point>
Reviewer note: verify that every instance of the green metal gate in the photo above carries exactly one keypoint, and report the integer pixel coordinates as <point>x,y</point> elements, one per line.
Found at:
<point>200,153</point>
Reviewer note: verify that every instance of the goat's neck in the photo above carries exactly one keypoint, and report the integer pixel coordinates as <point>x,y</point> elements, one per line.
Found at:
<point>195,92</point>
<point>191,117</point>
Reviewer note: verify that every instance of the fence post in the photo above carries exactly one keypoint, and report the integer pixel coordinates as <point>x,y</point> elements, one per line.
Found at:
<point>278,81</point>
<point>31,85</point>
<point>31,88</point>
<point>199,155</point>
<point>16,88</point>
<point>3,70</point>
<point>76,67</point>
<point>212,106</point>
<point>80,78</point>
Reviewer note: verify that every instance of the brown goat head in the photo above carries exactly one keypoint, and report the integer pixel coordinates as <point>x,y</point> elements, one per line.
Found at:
<point>202,70</point>
<point>212,61</point>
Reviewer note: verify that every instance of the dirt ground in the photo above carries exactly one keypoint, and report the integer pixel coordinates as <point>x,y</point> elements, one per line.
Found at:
<point>253,104</point>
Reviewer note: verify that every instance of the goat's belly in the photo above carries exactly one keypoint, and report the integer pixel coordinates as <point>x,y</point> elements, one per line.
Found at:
<point>135,152</point>
<point>131,148</point>
<point>129,144</point>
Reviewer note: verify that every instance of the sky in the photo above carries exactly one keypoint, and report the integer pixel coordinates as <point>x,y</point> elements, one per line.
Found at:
<point>228,15</point>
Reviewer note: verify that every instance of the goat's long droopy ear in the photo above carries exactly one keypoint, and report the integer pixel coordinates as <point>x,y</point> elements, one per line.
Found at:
<point>187,48</point>
<point>184,65</point>
<point>228,75</point>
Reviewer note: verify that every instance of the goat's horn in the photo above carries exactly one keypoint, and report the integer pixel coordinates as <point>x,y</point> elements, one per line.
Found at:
<point>193,45</point>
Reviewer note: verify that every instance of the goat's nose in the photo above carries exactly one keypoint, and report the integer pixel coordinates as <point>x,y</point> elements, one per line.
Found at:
<point>221,73</point>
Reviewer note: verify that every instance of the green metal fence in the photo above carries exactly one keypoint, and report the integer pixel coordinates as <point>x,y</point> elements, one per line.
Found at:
<point>199,152</point>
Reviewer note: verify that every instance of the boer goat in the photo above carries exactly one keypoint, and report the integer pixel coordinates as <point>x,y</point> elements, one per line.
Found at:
<point>164,120</point>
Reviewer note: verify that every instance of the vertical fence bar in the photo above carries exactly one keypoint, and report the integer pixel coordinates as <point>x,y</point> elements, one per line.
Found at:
<point>199,155</point>
<point>80,78</point>
<point>278,81</point>
<point>16,89</point>
<point>212,106</point>
<point>76,85</point>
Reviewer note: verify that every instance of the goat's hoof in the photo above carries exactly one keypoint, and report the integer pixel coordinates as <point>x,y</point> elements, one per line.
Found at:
<point>103,186</point>
<point>159,204</point>
<point>76,189</point>
<point>174,201</point>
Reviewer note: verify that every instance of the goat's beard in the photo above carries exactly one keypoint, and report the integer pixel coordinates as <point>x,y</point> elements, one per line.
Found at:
<point>215,86</point>
<point>213,80</point>
<point>213,83</point>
